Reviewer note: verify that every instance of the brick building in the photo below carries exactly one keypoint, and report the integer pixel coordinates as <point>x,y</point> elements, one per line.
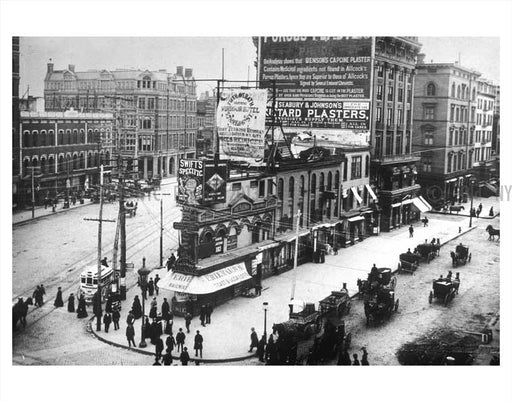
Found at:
<point>444,128</point>
<point>206,106</point>
<point>155,111</point>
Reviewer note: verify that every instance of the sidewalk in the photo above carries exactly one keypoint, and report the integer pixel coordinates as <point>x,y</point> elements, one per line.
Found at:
<point>227,338</point>
<point>487,203</point>
<point>24,216</point>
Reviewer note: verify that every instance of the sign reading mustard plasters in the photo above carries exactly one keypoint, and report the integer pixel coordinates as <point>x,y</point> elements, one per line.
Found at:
<point>241,125</point>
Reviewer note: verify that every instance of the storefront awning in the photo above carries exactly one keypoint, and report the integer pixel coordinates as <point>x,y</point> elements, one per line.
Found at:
<point>406,201</point>
<point>208,283</point>
<point>451,180</point>
<point>370,191</point>
<point>355,219</point>
<point>358,197</point>
<point>425,202</point>
<point>419,205</point>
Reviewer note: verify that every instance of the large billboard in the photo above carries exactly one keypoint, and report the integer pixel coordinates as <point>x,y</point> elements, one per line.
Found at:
<point>316,67</point>
<point>190,181</point>
<point>323,114</point>
<point>241,125</point>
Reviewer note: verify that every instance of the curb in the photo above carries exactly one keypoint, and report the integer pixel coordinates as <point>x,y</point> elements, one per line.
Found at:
<point>465,215</point>
<point>19,223</point>
<point>91,330</point>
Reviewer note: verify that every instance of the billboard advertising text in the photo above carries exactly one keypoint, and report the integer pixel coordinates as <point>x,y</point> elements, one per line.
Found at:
<point>241,125</point>
<point>215,178</point>
<point>316,67</point>
<point>190,181</point>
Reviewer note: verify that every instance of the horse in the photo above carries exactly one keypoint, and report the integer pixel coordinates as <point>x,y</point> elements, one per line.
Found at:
<point>19,312</point>
<point>456,208</point>
<point>492,232</point>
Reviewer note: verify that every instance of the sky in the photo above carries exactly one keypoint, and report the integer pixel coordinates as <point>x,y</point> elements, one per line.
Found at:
<point>204,56</point>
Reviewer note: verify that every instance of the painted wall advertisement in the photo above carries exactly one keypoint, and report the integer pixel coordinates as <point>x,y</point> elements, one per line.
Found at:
<point>317,67</point>
<point>190,181</point>
<point>241,125</point>
<point>215,178</point>
<point>324,114</point>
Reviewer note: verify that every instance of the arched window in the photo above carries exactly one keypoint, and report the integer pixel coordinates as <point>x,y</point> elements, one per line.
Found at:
<point>26,139</point>
<point>50,138</point>
<point>44,167</point>
<point>89,160</point>
<point>458,91</point>
<point>291,196</point>
<point>322,182</point>
<point>82,136</point>
<point>453,90</point>
<point>61,164</point>
<point>473,95</point>
<point>42,138</point>
<point>75,136</point>
<point>34,162</point>
<point>431,89</point>
<point>313,183</point>
<point>25,166</point>
<point>67,137</point>
<point>51,164</point>
<point>329,181</point>
<point>96,159</point>
<point>82,160</point>
<point>75,162</point>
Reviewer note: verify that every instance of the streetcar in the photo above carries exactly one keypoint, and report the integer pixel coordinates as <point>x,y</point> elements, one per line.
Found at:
<point>89,282</point>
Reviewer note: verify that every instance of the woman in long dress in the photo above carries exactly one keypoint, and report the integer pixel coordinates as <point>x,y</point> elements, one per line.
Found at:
<point>71,303</point>
<point>58,299</point>
<point>81,312</point>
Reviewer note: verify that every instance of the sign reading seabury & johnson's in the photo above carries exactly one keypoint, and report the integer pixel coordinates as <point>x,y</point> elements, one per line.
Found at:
<point>241,125</point>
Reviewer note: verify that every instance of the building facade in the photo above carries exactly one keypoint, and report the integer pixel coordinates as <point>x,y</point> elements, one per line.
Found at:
<point>155,111</point>
<point>15,118</point>
<point>393,165</point>
<point>445,129</point>
<point>206,106</point>
<point>64,151</point>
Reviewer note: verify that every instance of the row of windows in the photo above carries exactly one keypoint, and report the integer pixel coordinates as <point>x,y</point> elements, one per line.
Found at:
<point>148,103</point>
<point>462,92</point>
<point>391,74</point>
<point>485,104</point>
<point>484,120</point>
<point>147,143</point>
<point>390,94</point>
<point>69,163</point>
<point>398,144</point>
<point>456,162</point>
<point>389,116</point>
<point>459,114</point>
<point>44,138</point>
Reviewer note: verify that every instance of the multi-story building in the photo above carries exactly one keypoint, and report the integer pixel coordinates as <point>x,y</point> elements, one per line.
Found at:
<point>444,128</point>
<point>64,150</point>
<point>205,123</point>
<point>155,111</point>
<point>15,119</point>
<point>482,155</point>
<point>393,165</point>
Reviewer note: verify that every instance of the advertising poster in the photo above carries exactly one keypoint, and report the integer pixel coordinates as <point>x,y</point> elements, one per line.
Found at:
<point>241,125</point>
<point>317,67</point>
<point>323,114</point>
<point>215,178</point>
<point>190,181</point>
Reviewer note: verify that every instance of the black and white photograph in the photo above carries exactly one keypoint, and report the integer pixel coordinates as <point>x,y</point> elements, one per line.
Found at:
<point>227,199</point>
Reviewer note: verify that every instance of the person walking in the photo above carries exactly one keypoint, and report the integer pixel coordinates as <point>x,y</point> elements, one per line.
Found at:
<point>151,287</point>
<point>130,335</point>
<point>491,213</point>
<point>81,311</point>
<point>171,261</point>
<point>209,311</point>
<point>356,361</point>
<point>184,357</point>
<point>167,359</point>
<point>425,221</point>
<point>364,359</point>
<point>180,339</point>
<point>71,303</point>
<point>159,347</point>
<point>58,299</point>
<point>130,318</point>
<point>188,320</point>
<point>411,231</point>
<point>115,318</point>
<point>107,319</point>
<point>198,344</point>
<point>153,312</point>
<point>170,343</point>
<point>136,308</point>
<point>254,340</point>
<point>157,279</point>
<point>43,291</point>
<point>202,315</point>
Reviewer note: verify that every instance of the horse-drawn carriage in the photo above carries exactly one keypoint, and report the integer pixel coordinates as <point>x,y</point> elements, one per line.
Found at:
<point>492,232</point>
<point>444,289</point>
<point>461,255</point>
<point>338,302</point>
<point>408,262</point>
<point>427,251</point>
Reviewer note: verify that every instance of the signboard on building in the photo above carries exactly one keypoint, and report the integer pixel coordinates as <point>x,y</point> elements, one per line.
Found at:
<point>232,242</point>
<point>323,114</point>
<point>316,67</point>
<point>215,178</point>
<point>241,125</point>
<point>190,181</point>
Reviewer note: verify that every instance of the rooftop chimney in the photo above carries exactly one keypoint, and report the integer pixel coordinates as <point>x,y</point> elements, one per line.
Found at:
<point>71,67</point>
<point>179,70</point>
<point>50,66</point>
<point>188,73</point>
<point>421,58</point>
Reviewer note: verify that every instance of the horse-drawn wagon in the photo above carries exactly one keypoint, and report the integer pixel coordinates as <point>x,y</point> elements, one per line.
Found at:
<point>444,289</point>
<point>427,251</point>
<point>461,255</point>
<point>338,301</point>
<point>408,262</point>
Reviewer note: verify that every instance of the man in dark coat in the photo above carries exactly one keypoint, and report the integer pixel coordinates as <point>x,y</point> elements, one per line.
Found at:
<point>209,311</point>
<point>184,357</point>
<point>71,303</point>
<point>58,299</point>
<point>180,339</point>
<point>157,279</point>
<point>254,340</point>
<point>136,308</point>
<point>153,312</point>
<point>81,312</point>
<point>171,261</point>
<point>167,359</point>
<point>188,319</point>
<point>166,309</point>
<point>202,315</point>
<point>130,335</point>
<point>364,359</point>
<point>198,344</point>
<point>159,348</point>
<point>170,343</point>
<point>130,318</point>
<point>151,287</point>
<point>107,319</point>
<point>115,318</point>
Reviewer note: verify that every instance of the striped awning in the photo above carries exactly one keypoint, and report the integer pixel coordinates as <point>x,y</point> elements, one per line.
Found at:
<point>358,197</point>
<point>370,191</point>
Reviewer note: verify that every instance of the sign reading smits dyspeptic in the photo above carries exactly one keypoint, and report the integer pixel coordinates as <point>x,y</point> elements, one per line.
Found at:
<point>316,66</point>
<point>241,125</point>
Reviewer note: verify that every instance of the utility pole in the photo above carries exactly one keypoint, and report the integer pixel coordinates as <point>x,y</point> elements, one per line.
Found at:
<point>162,227</point>
<point>122,227</point>
<point>295,256</point>
<point>33,194</point>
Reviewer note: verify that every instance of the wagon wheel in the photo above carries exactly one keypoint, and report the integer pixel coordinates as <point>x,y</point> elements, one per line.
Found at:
<point>430,297</point>
<point>446,299</point>
<point>469,259</point>
<point>396,304</point>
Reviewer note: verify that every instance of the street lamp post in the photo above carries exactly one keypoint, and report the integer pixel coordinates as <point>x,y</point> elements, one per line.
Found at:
<point>143,281</point>
<point>265,307</point>
<point>471,183</point>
